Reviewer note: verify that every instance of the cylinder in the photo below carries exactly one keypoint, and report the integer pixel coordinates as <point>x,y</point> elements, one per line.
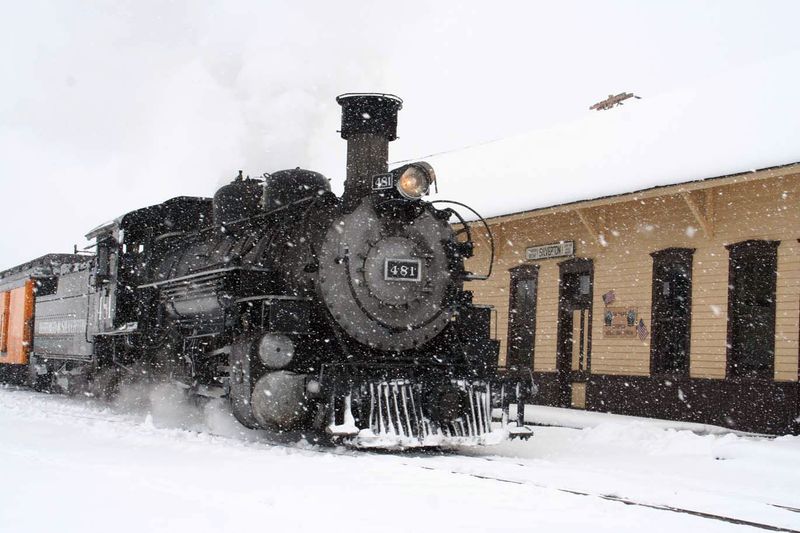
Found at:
<point>369,123</point>
<point>280,401</point>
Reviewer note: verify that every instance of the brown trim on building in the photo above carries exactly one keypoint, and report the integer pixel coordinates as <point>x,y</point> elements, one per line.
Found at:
<point>762,407</point>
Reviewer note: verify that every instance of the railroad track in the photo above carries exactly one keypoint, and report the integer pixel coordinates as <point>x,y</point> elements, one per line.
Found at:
<point>274,443</point>
<point>626,501</point>
<point>574,492</point>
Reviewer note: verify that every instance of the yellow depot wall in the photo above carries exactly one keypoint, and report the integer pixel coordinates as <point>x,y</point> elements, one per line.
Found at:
<point>619,237</point>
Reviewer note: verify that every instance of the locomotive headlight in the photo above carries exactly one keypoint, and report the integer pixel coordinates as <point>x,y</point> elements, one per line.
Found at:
<point>416,180</point>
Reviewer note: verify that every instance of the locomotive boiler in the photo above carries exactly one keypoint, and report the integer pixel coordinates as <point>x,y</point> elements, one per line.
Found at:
<point>346,315</point>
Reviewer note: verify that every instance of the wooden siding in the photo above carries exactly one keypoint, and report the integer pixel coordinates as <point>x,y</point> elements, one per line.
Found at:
<point>578,399</point>
<point>619,237</point>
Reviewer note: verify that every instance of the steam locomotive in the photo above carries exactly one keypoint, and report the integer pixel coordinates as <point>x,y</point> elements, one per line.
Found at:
<point>305,310</point>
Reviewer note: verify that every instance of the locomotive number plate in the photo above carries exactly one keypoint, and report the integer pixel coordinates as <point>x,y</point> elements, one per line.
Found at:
<point>402,270</point>
<point>382,181</point>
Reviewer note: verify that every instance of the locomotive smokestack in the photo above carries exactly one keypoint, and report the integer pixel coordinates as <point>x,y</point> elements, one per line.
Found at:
<point>369,123</point>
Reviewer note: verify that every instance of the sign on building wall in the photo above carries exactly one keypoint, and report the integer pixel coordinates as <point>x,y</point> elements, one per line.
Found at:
<point>549,251</point>
<point>620,322</point>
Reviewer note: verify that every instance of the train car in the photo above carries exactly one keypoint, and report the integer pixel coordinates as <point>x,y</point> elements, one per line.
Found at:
<point>345,315</point>
<point>42,303</point>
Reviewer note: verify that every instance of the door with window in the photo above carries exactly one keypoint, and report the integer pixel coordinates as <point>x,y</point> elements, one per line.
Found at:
<point>573,361</point>
<point>522,316</point>
<point>672,311</point>
<point>753,271</point>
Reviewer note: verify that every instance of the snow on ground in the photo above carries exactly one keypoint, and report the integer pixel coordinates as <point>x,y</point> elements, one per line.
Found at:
<point>543,415</point>
<point>74,464</point>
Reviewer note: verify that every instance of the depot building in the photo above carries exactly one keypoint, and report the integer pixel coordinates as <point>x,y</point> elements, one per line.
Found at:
<point>679,301</point>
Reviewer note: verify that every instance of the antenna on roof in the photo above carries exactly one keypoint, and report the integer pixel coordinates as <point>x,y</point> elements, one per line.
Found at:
<point>613,100</point>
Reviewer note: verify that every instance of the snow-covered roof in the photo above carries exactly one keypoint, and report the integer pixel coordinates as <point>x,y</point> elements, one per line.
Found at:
<point>744,120</point>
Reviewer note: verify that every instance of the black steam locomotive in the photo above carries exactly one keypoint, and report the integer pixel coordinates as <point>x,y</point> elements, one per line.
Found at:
<point>305,310</point>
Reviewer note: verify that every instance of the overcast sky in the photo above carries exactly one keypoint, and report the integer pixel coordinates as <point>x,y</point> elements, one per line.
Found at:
<point>111,106</point>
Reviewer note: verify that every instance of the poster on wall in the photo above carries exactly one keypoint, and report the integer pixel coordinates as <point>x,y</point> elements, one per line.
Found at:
<point>620,322</point>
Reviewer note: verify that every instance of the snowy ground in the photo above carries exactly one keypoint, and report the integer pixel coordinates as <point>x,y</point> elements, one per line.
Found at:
<point>73,464</point>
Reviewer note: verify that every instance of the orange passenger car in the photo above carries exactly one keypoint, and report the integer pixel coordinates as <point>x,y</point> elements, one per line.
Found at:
<point>16,321</point>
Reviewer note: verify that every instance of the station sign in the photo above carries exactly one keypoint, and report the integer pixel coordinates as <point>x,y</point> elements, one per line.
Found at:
<point>550,251</point>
